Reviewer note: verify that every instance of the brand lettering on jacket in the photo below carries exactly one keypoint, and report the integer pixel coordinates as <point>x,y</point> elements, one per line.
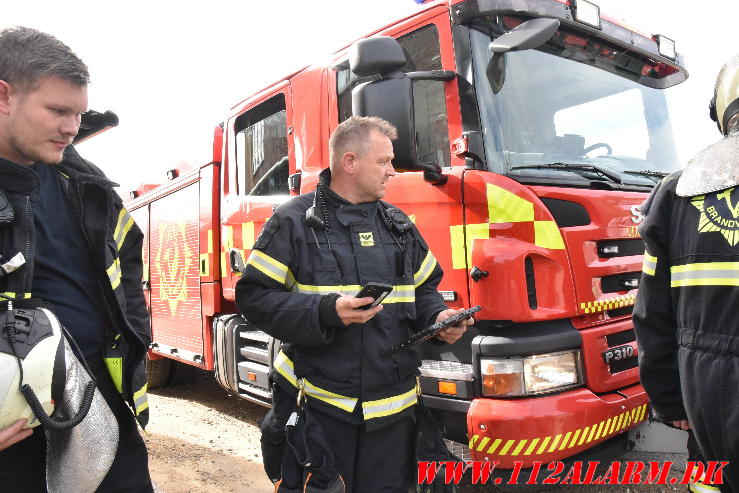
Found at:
<point>718,213</point>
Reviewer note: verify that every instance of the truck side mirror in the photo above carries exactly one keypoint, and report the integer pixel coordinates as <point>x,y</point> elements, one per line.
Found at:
<point>389,97</point>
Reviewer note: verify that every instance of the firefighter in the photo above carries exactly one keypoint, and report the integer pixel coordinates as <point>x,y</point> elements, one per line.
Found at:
<point>312,256</point>
<point>66,239</point>
<point>684,317</point>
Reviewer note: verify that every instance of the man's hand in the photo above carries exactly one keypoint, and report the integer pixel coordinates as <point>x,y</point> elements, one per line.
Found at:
<point>14,434</point>
<point>452,333</point>
<point>682,424</point>
<point>347,307</point>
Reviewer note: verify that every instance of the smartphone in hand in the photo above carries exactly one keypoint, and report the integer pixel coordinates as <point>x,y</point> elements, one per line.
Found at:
<point>375,290</point>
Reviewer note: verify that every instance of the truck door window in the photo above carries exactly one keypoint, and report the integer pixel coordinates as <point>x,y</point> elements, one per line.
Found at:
<point>423,53</point>
<point>261,148</point>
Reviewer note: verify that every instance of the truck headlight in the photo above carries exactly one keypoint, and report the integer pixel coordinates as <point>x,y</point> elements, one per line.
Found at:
<point>530,375</point>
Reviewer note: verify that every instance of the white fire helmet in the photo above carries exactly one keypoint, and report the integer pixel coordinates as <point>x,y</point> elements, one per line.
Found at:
<point>38,343</point>
<point>725,102</point>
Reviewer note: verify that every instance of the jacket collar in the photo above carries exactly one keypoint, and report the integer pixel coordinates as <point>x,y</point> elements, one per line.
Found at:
<point>17,177</point>
<point>75,166</point>
<point>22,179</point>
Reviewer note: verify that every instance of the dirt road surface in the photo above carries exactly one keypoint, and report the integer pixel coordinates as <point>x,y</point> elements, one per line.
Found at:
<point>201,439</point>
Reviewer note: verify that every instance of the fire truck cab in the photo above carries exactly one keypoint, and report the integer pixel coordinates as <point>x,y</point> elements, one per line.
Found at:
<point>529,132</point>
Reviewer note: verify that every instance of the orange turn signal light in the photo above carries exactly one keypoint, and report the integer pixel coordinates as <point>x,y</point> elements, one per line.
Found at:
<point>447,388</point>
<point>251,376</point>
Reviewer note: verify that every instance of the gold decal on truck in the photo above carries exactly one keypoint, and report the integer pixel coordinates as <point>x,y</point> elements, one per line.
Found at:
<point>172,262</point>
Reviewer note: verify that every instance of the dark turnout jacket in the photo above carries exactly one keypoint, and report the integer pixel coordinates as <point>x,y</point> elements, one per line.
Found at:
<point>294,276</point>
<point>115,242</point>
<point>689,291</point>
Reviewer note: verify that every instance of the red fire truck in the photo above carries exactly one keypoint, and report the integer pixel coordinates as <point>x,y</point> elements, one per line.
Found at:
<point>529,132</point>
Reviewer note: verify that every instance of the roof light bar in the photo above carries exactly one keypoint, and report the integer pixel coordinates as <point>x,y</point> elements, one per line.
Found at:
<point>666,46</point>
<point>587,13</point>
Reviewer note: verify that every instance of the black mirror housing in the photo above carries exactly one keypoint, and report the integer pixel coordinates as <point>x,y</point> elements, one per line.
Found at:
<point>390,97</point>
<point>376,55</point>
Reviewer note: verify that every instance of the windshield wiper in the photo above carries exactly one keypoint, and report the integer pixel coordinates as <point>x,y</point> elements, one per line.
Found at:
<point>574,167</point>
<point>647,172</point>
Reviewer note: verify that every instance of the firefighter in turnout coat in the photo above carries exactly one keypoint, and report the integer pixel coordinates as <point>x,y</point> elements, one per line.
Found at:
<point>311,258</point>
<point>685,313</point>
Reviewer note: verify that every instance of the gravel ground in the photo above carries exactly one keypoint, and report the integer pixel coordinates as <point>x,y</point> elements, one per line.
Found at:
<point>202,439</point>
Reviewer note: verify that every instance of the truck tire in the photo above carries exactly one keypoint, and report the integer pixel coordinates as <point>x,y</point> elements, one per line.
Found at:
<point>157,372</point>
<point>181,373</point>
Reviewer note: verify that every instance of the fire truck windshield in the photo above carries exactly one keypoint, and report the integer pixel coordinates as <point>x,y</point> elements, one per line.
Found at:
<point>561,121</point>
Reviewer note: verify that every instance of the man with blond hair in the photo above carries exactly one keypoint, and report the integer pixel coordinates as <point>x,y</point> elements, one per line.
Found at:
<point>299,286</point>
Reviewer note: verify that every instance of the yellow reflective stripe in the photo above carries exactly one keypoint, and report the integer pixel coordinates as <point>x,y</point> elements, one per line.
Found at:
<point>532,446</point>
<point>389,405</point>
<point>650,264</point>
<point>114,273</point>
<point>247,235</point>
<point>125,222</point>
<point>494,445</point>
<point>399,294</point>
<point>115,369</point>
<point>547,235</point>
<point>271,268</point>
<point>543,446</point>
<point>461,242</point>
<point>506,207</point>
<point>482,444</point>
<point>427,267</point>
<point>10,294</point>
<point>728,266</point>
<point>518,448</point>
<point>286,368</point>
<point>507,447</point>
<point>140,399</point>
<point>705,274</point>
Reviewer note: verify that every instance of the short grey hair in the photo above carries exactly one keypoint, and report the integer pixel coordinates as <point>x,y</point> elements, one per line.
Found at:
<point>28,55</point>
<point>352,135</point>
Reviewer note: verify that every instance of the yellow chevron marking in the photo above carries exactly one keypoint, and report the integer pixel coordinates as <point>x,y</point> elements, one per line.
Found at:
<point>543,446</point>
<point>494,445</point>
<point>532,445</point>
<point>506,447</point>
<point>518,448</point>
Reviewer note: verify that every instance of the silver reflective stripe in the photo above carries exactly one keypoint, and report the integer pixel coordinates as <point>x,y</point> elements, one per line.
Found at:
<point>271,268</point>
<point>125,222</point>
<point>140,400</point>
<point>389,405</point>
<point>427,267</point>
<point>286,368</point>
<point>705,274</point>
<point>399,294</point>
<point>650,264</point>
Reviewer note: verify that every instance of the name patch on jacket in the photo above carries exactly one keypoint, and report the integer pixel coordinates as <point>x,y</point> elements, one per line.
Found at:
<point>719,212</point>
<point>366,239</point>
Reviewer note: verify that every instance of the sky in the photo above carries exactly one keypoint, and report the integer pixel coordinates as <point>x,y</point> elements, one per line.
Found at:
<point>171,70</point>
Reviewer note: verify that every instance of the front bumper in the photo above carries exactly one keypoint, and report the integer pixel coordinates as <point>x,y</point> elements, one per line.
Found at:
<point>550,428</point>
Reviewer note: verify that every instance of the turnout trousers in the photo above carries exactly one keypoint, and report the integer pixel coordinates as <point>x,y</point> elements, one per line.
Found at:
<point>710,383</point>
<point>23,465</point>
<point>371,462</point>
